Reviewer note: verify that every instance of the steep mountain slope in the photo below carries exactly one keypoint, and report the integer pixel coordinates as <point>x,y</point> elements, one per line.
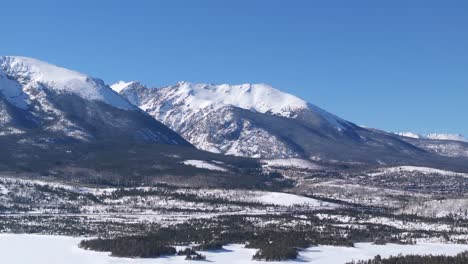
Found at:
<point>260,121</point>
<point>47,102</point>
<point>210,116</point>
<point>60,124</point>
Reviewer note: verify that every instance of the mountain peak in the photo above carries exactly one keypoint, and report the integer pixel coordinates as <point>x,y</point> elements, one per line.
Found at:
<point>121,85</point>
<point>33,73</point>
<point>37,70</point>
<point>243,119</point>
<point>256,97</point>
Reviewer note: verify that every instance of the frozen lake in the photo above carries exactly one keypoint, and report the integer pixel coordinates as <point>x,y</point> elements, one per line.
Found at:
<point>36,249</point>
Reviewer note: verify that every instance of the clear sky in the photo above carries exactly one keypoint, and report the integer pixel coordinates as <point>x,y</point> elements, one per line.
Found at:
<point>399,65</point>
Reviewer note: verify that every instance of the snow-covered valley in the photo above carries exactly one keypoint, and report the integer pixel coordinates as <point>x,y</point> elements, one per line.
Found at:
<point>51,208</point>
<point>236,172</point>
<point>60,250</point>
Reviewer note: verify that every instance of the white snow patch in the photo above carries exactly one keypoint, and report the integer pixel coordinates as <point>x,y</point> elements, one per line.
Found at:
<point>256,97</point>
<point>120,85</point>
<point>12,91</point>
<point>203,165</point>
<point>286,199</point>
<point>291,163</point>
<point>409,134</point>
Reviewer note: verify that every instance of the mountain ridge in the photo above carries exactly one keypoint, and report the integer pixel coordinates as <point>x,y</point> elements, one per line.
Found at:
<point>218,127</point>
<point>58,122</point>
<point>32,73</point>
<point>43,101</point>
<point>292,130</point>
<point>435,136</point>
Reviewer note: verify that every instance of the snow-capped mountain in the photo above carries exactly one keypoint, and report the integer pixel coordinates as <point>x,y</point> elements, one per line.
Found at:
<point>257,120</point>
<point>449,145</point>
<point>30,75</point>
<point>260,98</point>
<point>436,136</point>
<point>45,101</point>
<point>209,116</point>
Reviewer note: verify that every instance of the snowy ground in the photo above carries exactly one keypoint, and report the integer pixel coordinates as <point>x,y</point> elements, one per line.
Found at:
<point>424,170</point>
<point>290,163</point>
<point>286,199</point>
<point>203,165</point>
<point>438,208</point>
<point>26,249</point>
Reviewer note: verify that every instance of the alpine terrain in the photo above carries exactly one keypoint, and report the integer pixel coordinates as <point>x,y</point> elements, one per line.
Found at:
<point>61,123</point>
<point>259,121</point>
<point>44,102</point>
<point>220,173</point>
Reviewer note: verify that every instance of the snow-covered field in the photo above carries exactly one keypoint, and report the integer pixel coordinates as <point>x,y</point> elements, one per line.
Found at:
<point>28,249</point>
<point>203,165</point>
<point>424,170</point>
<point>290,163</point>
<point>286,199</point>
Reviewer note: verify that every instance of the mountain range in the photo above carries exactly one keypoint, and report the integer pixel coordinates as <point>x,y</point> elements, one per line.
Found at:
<point>43,102</point>
<point>257,120</point>
<point>48,112</point>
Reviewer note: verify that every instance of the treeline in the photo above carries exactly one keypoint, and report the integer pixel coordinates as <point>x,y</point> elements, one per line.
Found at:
<point>276,252</point>
<point>461,258</point>
<point>138,246</point>
<point>276,237</point>
<point>191,254</point>
<point>174,194</point>
<point>272,241</point>
<point>278,240</point>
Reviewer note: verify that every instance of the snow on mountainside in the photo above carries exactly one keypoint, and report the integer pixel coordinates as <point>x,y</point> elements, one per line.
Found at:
<point>42,101</point>
<point>409,134</point>
<point>119,86</point>
<point>436,136</point>
<point>13,91</point>
<point>260,98</point>
<point>255,97</point>
<point>455,137</point>
<point>33,75</point>
<point>193,98</point>
<point>449,145</point>
<point>225,118</point>
<point>257,120</point>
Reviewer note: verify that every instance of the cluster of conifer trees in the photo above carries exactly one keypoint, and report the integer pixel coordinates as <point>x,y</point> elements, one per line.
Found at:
<point>138,246</point>
<point>274,241</point>
<point>461,258</point>
<point>191,254</point>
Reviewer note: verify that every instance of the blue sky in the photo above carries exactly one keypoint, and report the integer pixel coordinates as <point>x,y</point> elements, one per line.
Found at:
<point>399,65</point>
